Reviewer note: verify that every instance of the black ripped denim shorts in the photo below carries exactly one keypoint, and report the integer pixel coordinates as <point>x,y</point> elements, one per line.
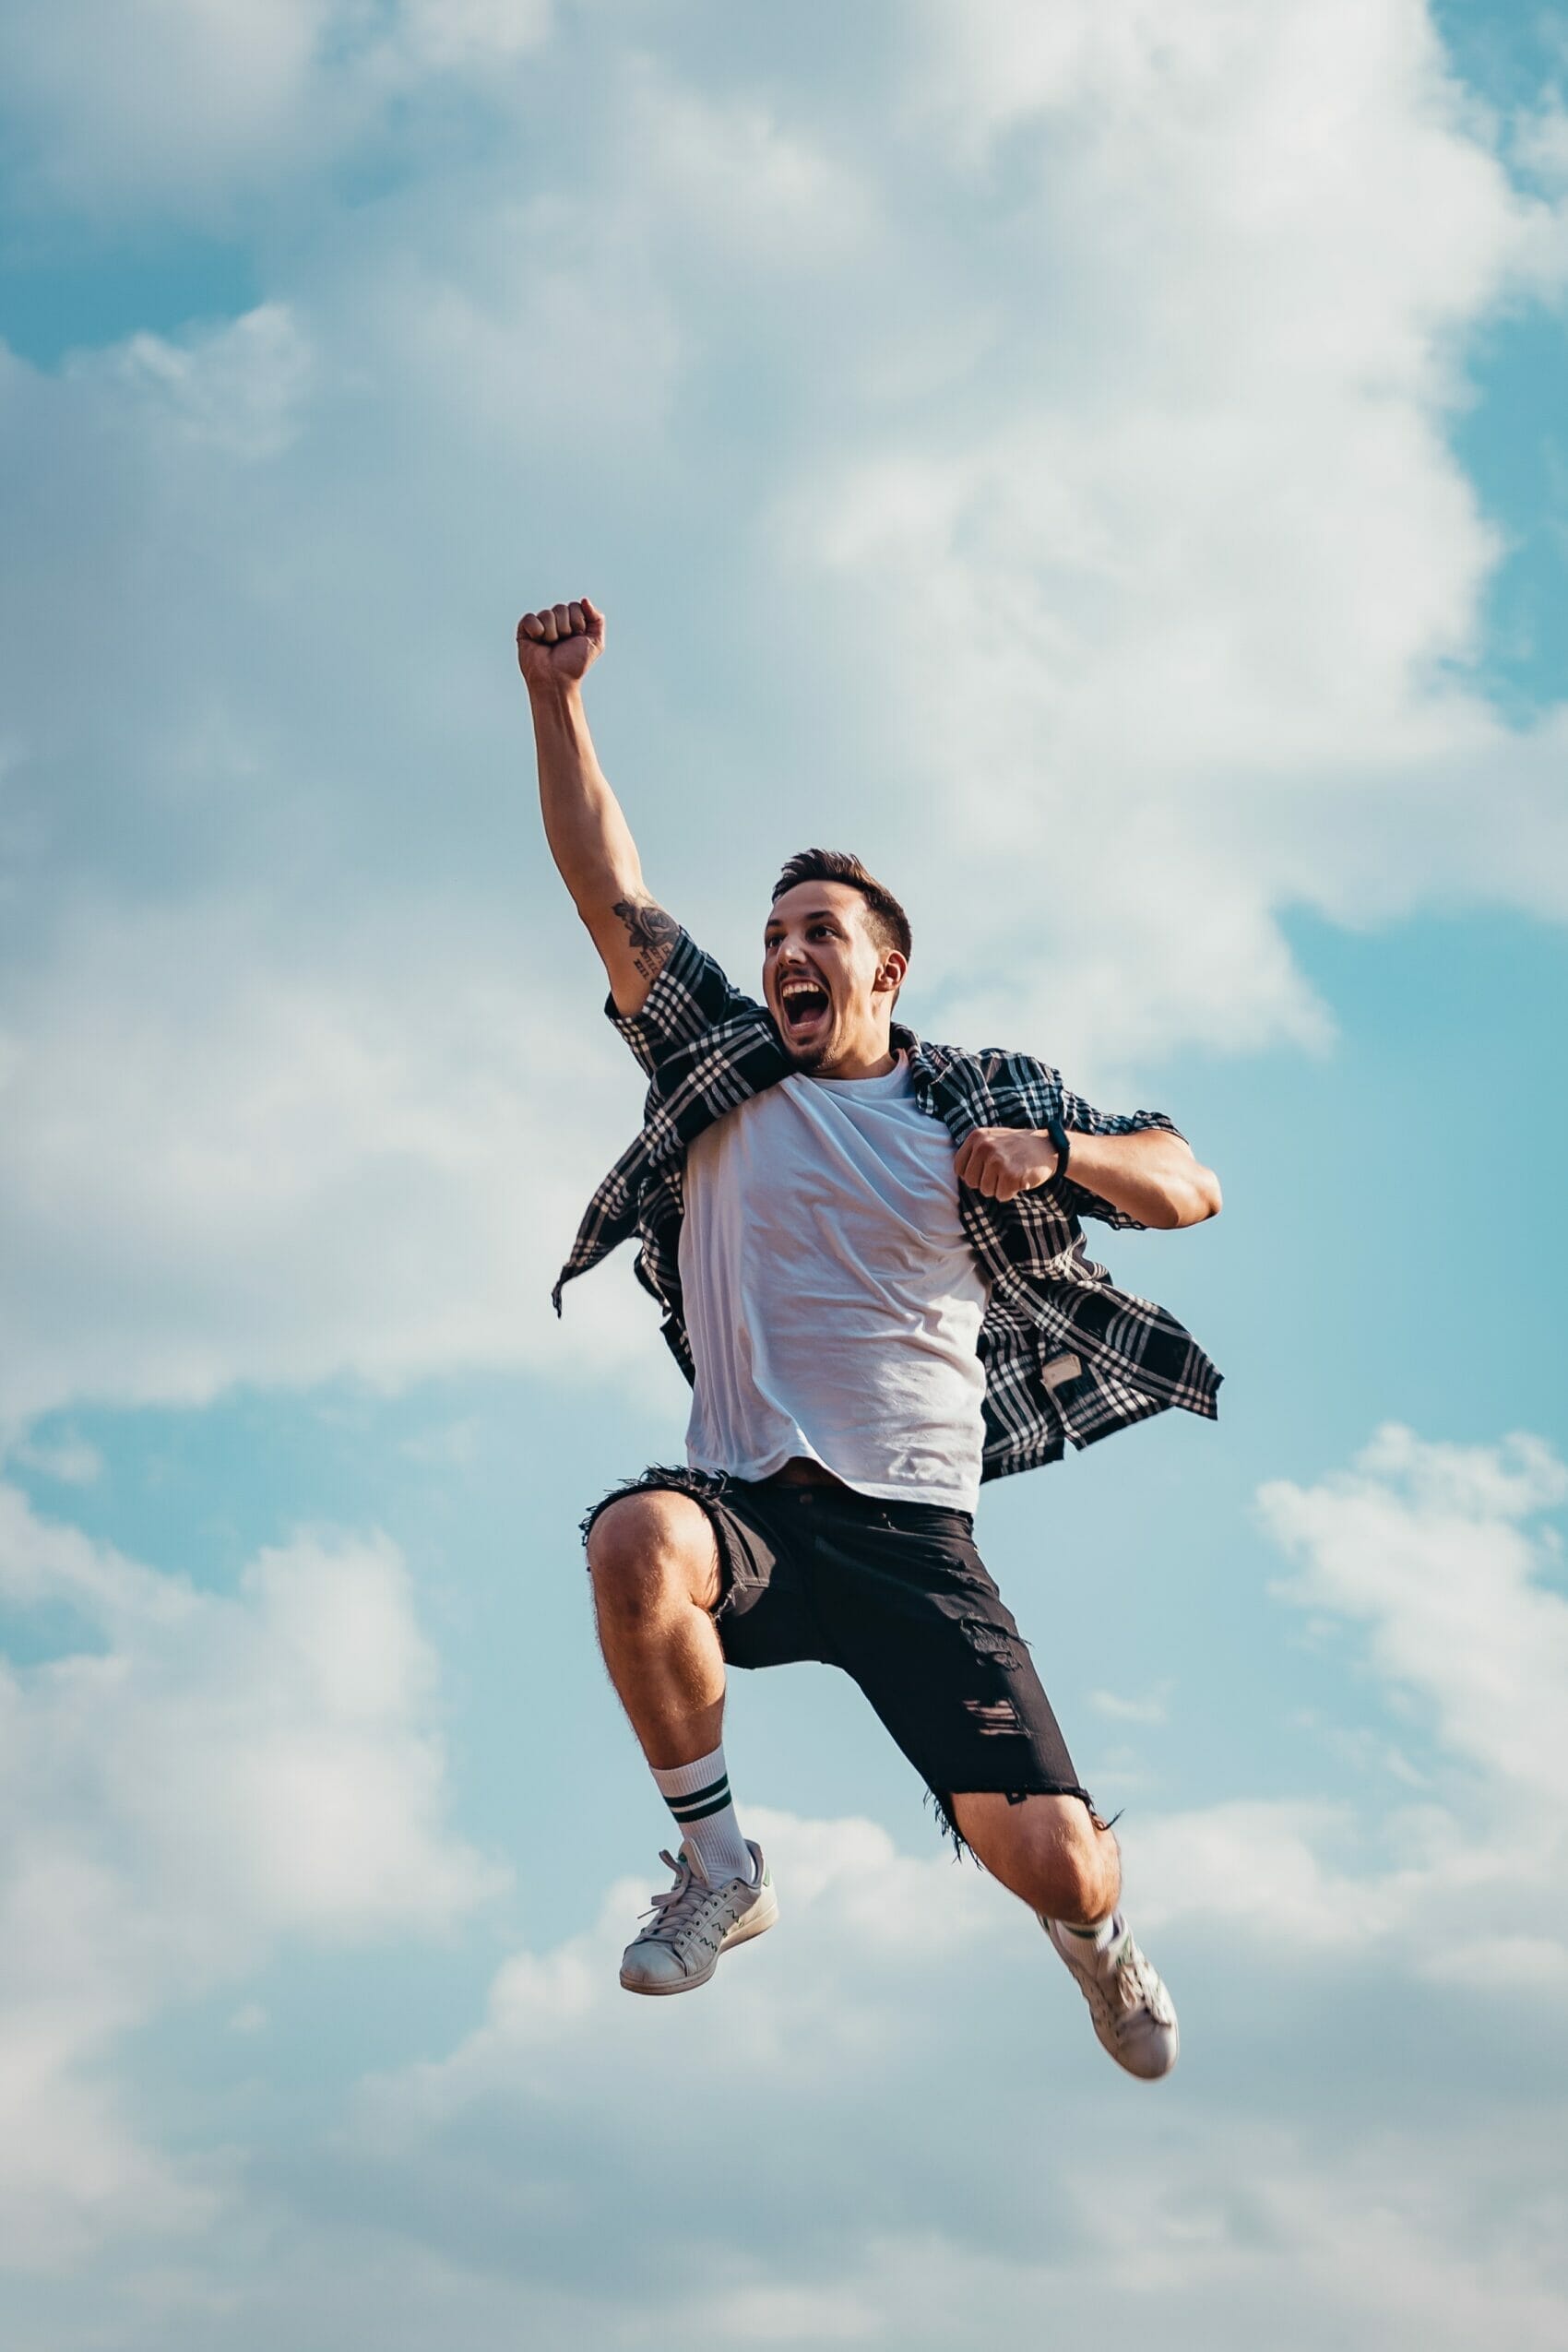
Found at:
<point>897,1595</point>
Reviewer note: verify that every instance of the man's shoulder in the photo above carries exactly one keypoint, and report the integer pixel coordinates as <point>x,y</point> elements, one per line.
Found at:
<point>691,975</point>
<point>692,997</point>
<point>991,1066</point>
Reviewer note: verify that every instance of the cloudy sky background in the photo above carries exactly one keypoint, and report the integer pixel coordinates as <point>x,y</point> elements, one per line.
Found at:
<point>1105,463</point>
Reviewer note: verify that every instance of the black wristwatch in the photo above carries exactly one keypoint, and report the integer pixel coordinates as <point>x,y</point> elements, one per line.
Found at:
<point>1059,1137</point>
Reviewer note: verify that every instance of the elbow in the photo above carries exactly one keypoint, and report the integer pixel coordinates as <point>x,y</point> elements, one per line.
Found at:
<point>597,892</point>
<point>1207,1198</point>
<point>1193,1200</point>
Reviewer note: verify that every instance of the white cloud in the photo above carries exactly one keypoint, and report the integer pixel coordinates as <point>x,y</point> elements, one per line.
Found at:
<point>1431,1547</point>
<point>193,1777</point>
<point>110,95</point>
<point>477,35</point>
<point>1246,2235</point>
<point>738,177</point>
<point>238,390</point>
<point>1394,2241</point>
<point>69,1459</point>
<point>903,2024</point>
<point>1437,1554</point>
<point>1152,1709</point>
<point>190,107</point>
<point>225,1166</point>
<point>1185,606</point>
<point>1541,144</point>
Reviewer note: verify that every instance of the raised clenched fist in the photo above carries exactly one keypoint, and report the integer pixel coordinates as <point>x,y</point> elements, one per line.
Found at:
<point>556,643</point>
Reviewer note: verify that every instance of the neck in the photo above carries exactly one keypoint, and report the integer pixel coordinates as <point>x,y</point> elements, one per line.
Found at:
<point>872,1061</point>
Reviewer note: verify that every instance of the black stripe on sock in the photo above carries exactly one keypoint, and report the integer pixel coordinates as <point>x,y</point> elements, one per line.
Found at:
<point>704,1802</point>
<point>718,1806</point>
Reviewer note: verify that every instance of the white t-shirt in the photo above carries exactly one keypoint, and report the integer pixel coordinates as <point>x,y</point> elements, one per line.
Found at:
<point>833,1302</point>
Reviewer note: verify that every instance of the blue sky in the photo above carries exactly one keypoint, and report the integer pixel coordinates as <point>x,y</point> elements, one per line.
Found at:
<point>1106,466</point>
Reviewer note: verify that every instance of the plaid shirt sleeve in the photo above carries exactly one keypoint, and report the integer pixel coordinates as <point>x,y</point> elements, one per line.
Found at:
<point>690,995</point>
<point>1081,1117</point>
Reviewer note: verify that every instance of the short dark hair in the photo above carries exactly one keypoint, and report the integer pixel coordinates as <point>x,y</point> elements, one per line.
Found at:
<point>885,919</point>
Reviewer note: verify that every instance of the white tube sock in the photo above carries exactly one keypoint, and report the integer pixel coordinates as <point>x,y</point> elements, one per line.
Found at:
<point>699,1796</point>
<point>1090,1939</point>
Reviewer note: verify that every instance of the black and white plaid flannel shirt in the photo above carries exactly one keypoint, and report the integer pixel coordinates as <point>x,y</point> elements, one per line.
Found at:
<point>1066,1354</point>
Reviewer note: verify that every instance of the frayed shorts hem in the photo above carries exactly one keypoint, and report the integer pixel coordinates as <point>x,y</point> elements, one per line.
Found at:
<point>941,1803</point>
<point>705,1488</point>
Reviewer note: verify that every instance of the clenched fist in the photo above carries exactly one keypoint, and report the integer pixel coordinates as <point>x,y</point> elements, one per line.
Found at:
<point>556,643</point>
<point>1002,1162</point>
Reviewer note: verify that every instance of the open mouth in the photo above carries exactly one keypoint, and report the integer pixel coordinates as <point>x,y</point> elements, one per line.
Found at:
<point>803,1006</point>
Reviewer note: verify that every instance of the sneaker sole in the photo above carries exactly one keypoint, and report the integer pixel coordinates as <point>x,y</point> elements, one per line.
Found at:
<point>742,1932</point>
<point>1169,2053</point>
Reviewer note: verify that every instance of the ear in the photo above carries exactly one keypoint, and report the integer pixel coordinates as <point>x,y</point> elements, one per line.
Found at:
<point>890,974</point>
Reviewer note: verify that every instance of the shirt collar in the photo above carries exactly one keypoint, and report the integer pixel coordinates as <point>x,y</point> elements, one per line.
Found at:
<point>920,1070</point>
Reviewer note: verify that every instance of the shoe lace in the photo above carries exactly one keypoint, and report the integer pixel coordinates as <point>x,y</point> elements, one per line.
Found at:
<point>1137,1986</point>
<point>683,1911</point>
<point>1122,1984</point>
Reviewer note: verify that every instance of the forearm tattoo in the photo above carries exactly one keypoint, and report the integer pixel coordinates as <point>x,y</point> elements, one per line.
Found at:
<point>651,932</point>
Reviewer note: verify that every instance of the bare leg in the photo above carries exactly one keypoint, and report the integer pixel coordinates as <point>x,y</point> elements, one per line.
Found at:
<point>654,1560</point>
<point>1050,1851</point>
<point>1063,1863</point>
<point>656,1583</point>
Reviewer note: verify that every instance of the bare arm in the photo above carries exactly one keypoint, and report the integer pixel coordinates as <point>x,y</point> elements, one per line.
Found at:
<point>589,839</point>
<point>1149,1174</point>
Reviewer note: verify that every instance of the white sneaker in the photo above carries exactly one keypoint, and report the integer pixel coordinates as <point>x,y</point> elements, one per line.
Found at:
<point>693,1922</point>
<point>1133,2014</point>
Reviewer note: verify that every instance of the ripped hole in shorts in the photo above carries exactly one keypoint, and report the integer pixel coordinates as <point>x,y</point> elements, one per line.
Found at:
<point>997,1718</point>
<point>992,1640</point>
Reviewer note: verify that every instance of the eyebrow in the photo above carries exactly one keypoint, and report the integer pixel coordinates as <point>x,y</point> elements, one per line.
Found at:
<point>812,915</point>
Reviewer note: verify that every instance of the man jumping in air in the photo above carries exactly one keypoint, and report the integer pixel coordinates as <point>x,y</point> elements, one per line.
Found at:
<point>869,1256</point>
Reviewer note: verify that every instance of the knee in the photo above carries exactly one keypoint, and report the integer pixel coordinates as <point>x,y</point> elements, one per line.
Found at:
<point>646,1553</point>
<point>1051,1851</point>
<point>1080,1872</point>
